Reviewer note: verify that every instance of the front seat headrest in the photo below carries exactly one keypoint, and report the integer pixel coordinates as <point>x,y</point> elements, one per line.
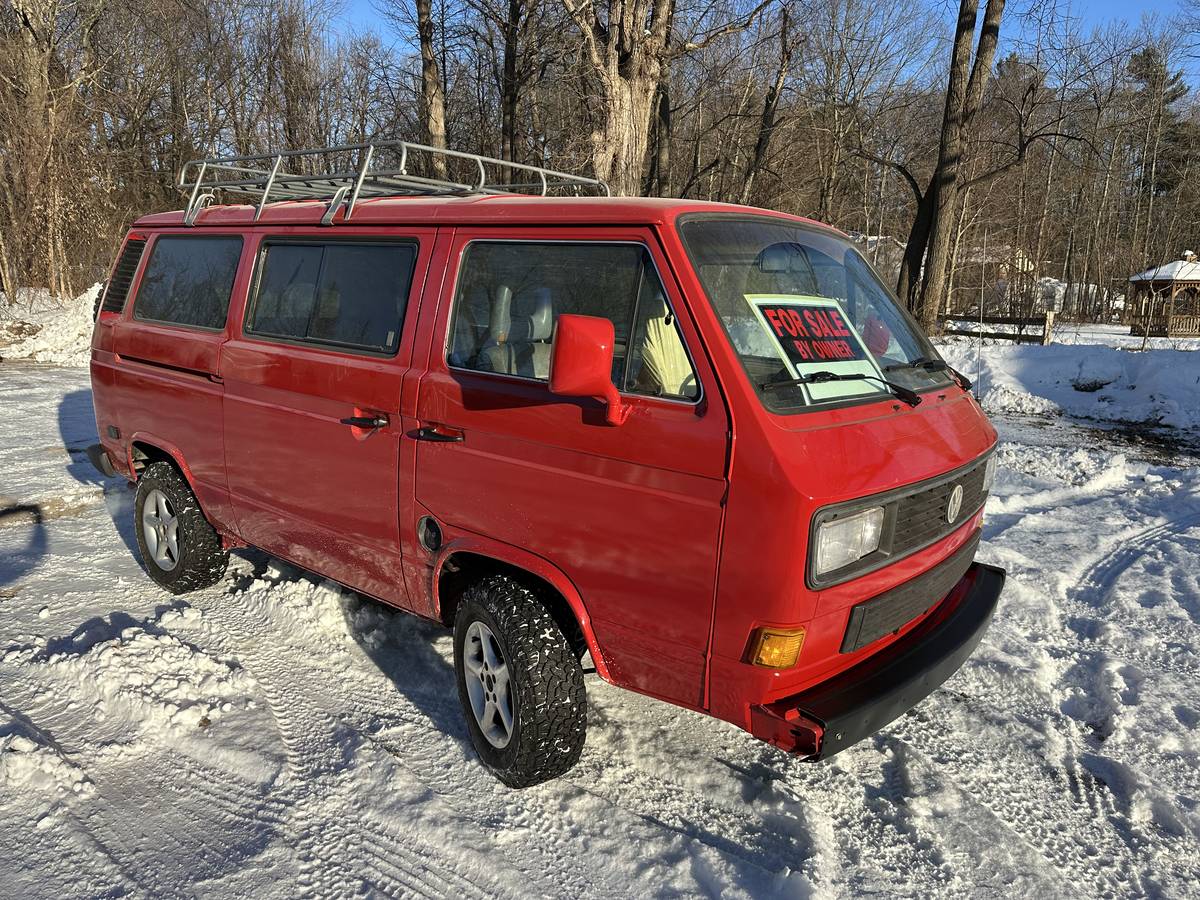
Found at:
<point>329,303</point>
<point>539,324</point>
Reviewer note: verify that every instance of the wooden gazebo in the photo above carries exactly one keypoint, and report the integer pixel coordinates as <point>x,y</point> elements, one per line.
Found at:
<point>1165,301</point>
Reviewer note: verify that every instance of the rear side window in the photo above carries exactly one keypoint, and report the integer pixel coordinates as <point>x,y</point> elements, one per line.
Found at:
<point>118,286</point>
<point>342,294</point>
<point>509,295</point>
<point>188,280</point>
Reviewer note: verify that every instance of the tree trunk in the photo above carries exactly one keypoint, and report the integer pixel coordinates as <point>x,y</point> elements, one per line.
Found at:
<point>620,144</point>
<point>658,179</point>
<point>770,110</point>
<point>964,95</point>
<point>433,101</point>
<point>629,48</point>
<point>509,85</point>
<point>908,283</point>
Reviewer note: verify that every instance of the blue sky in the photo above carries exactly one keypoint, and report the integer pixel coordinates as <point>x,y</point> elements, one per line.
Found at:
<point>360,13</point>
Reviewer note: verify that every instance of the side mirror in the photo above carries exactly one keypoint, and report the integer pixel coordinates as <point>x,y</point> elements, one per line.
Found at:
<point>581,362</point>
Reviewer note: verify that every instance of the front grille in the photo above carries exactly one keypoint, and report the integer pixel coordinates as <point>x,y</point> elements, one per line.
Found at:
<point>890,611</point>
<point>915,516</point>
<point>921,517</point>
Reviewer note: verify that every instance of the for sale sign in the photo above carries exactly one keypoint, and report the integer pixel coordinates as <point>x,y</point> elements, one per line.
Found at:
<point>811,333</point>
<point>814,334</point>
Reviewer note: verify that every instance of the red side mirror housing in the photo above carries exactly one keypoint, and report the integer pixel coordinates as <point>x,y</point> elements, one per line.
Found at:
<point>581,361</point>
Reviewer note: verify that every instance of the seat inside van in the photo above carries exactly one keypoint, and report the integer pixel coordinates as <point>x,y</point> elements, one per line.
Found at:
<point>518,343</point>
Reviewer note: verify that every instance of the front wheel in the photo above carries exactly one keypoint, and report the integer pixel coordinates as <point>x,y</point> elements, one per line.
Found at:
<point>520,683</point>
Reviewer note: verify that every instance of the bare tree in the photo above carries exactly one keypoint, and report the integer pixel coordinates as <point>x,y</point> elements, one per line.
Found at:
<point>628,43</point>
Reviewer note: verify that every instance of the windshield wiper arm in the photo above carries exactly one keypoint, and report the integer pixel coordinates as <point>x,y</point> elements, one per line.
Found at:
<point>921,362</point>
<point>933,365</point>
<point>901,393</point>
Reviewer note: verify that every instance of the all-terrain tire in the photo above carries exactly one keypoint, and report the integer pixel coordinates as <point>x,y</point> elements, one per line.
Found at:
<point>545,683</point>
<point>202,558</point>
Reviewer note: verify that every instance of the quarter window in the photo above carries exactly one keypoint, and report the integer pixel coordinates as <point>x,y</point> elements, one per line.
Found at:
<point>342,294</point>
<point>188,281</point>
<point>509,295</point>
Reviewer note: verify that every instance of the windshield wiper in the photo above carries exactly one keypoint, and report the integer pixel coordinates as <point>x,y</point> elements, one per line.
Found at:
<point>933,365</point>
<point>901,393</point>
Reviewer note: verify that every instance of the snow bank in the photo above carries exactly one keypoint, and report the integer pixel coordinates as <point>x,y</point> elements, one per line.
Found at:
<point>160,676</point>
<point>1157,387</point>
<point>144,674</point>
<point>63,332</point>
<point>322,608</point>
<point>29,765</point>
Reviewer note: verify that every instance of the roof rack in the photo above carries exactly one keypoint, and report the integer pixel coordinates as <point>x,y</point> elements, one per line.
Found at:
<point>343,174</point>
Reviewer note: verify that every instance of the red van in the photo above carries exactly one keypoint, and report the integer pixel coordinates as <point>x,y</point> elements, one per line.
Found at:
<point>701,444</point>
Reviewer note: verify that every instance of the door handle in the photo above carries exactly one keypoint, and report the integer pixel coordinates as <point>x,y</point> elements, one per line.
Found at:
<point>438,434</point>
<point>365,421</point>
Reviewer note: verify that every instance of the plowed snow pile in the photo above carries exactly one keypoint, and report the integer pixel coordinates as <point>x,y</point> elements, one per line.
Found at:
<point>1155,387</point>
<point>64,331</point>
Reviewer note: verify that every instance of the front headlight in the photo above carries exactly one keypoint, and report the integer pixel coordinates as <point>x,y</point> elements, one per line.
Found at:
<point>989,473</point>
<point>843,541</point>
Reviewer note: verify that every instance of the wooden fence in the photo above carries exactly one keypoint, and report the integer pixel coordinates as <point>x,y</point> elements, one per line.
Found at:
<point>1163,326</point>
<point>1033,330</point>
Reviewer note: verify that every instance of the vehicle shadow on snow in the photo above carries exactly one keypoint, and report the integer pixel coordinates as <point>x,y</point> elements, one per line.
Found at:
<point>400,645</point>
<point>77,429</point>
<point>403,648</point>
<point>16,563</point>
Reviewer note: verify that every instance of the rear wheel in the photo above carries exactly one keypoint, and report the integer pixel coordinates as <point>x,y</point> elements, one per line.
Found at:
<point>520,683</point>
<point>181,550</point>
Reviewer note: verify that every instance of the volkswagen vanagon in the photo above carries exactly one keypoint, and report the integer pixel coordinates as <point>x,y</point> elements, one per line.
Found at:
<point>699,447</point>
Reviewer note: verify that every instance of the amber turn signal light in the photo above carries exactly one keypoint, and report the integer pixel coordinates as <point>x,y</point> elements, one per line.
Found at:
<point>776,648</point>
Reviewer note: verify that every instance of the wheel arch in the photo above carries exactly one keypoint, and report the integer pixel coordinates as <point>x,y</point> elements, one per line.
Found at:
<point>464,560</point>
<point>145,449</point>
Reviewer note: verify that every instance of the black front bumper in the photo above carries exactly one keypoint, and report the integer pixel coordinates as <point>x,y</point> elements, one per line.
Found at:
<point>858,702</point>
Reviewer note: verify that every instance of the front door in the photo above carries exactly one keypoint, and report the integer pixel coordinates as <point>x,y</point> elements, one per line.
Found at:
<point>312,399</point>
<point>632,513</point>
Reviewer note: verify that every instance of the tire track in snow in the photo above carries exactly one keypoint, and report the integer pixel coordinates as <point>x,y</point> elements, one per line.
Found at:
<point>879,845</point>
<point>337,850</point>
<point>1104,631</point>
<point>1084,855</point>
<point>1099,578</point>
<point>106,862</point>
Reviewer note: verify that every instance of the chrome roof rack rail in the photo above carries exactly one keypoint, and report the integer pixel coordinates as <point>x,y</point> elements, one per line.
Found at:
<point>344,174</point>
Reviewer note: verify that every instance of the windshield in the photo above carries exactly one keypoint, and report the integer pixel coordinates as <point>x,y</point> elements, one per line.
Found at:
<point>800,302</point>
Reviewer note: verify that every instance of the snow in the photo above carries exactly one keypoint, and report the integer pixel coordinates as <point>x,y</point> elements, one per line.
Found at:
<point>1070,333</point>
<point>277,735</point>
<point>1106,384</point>
<point>1185,269</point>
<point>62,331</point>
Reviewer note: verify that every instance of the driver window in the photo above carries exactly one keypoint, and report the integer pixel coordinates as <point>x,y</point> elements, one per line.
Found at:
<point>510,294</point>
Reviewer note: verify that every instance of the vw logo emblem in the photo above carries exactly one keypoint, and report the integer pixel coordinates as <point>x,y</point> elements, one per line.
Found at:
<point>954,507</point>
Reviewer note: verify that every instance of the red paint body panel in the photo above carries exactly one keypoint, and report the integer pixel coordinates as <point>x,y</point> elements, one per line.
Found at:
<point>672,536</point>
<point>548,474</point>
<point>304,485</point>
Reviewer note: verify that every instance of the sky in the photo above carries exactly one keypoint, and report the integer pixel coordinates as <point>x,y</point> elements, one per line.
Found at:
<point>357,15</point>
<point>361,13</point>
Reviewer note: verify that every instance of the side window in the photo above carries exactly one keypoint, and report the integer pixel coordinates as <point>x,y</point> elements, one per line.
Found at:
<point>188,280</point>
<point>509,295</point>
<point>342,294</point>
